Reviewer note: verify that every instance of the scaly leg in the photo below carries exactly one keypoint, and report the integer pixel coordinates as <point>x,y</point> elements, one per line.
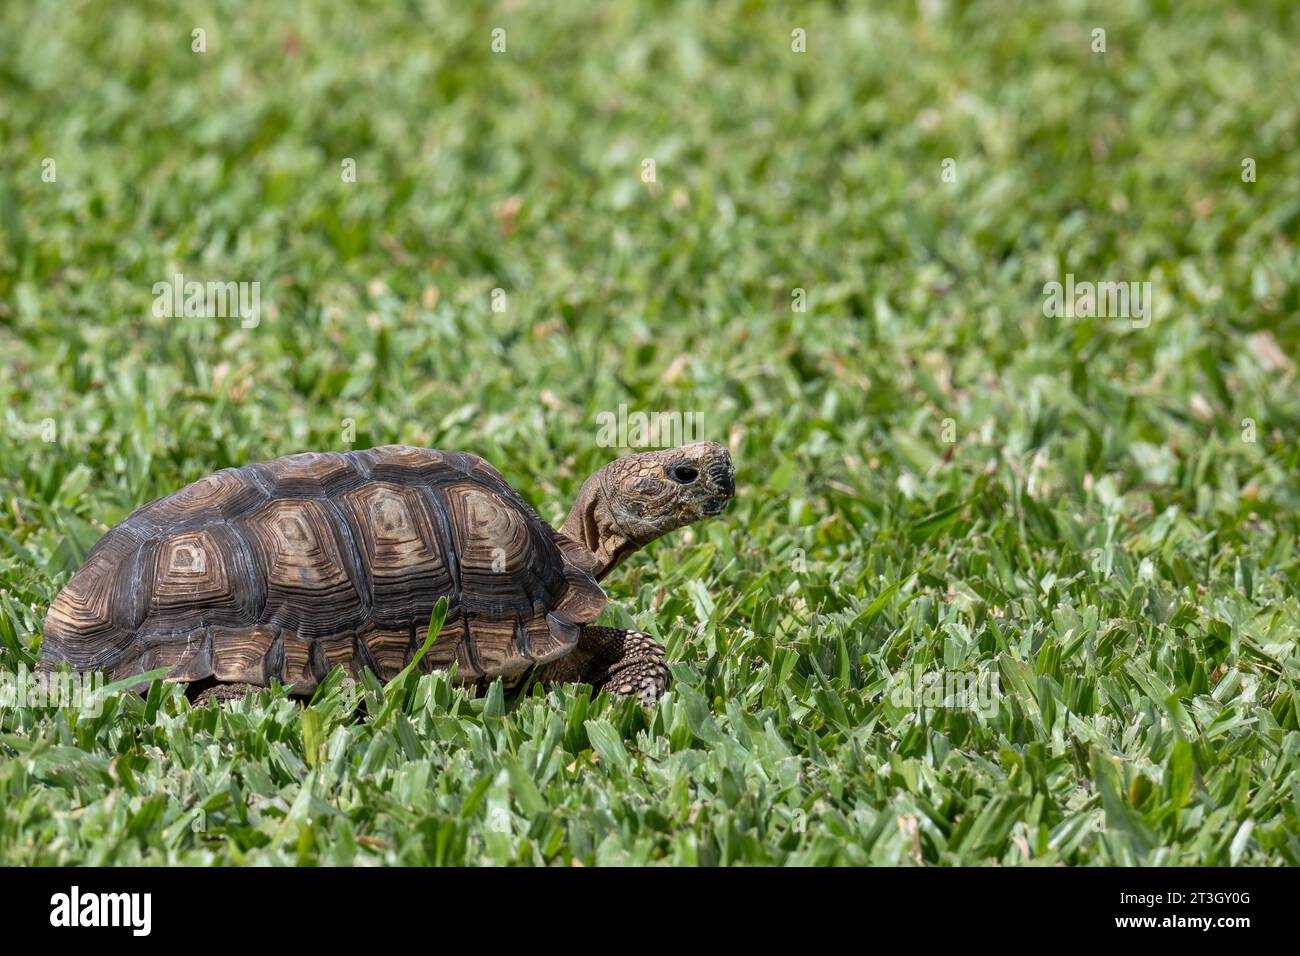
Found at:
<point>611,658</point>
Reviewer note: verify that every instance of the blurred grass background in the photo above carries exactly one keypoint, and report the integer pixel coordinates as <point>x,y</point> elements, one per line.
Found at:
<point>1099,533</point>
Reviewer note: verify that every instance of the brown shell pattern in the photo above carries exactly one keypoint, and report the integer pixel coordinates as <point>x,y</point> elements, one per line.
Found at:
<point>290,567</point>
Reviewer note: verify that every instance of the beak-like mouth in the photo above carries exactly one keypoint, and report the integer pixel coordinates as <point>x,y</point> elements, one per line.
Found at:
<point>722,476</point>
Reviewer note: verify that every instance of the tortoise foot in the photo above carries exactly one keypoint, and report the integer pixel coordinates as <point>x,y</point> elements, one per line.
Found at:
<point>620,661</point>
<point>647,679</point>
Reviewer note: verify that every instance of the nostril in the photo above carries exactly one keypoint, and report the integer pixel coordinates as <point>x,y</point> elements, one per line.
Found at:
<point>683,474</point>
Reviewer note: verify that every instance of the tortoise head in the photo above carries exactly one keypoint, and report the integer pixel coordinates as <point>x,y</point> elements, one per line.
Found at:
<point>633,500</point>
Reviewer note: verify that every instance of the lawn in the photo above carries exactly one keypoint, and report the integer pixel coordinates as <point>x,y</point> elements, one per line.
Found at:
<point>999,586</point>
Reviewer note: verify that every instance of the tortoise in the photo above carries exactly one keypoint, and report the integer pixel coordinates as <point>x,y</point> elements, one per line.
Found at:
<point>286,569</point>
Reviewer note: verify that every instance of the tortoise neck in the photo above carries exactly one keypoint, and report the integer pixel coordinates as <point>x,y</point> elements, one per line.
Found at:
<point>591,524</point>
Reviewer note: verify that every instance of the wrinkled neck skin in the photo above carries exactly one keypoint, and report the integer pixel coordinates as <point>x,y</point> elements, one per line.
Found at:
<point>592,524</point>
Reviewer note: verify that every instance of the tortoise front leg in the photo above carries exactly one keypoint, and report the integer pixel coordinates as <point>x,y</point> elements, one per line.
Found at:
<point>614,659</point>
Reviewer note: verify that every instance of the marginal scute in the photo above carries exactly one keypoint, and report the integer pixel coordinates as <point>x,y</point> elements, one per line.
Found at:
<point>296,665</point>
<point>197,663</point>
<point>385,651</point>
<point>172,651</point>
<point>286,569</point>
<point>339,651</point>
<point>239,654</point>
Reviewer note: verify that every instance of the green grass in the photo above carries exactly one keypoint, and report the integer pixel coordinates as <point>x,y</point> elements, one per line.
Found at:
<point>1099,533</point>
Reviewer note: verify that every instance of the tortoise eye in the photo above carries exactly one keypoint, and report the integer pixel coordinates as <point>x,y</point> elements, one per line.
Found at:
<point>683,474</point>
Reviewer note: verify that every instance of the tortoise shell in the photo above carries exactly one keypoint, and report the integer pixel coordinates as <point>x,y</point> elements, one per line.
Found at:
<point>290,567</point>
